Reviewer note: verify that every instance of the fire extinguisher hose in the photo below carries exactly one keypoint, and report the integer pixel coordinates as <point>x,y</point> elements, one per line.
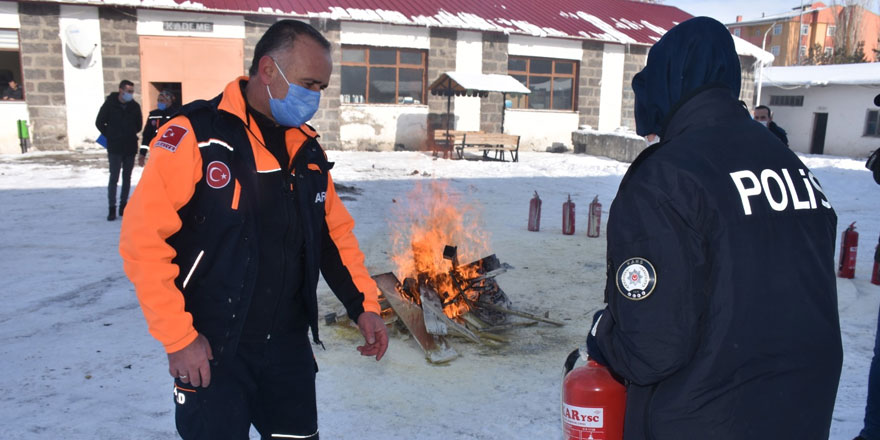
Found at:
<point>570,361</point>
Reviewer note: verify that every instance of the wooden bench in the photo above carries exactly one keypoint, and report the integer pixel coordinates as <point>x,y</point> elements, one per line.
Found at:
<point>440,142</point>
<point>497,142</point>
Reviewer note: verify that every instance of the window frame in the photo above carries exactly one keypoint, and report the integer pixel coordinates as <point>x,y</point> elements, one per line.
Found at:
<point>868,120</point>
<point>553,75</point>
<point>397,66</point>
<point>805,29</point>
<point>777,29</point>
<point>774,50</point>
<point>20,77</point>
<point>787,100</point>
<point>831,30</point>
<point>737,32</point>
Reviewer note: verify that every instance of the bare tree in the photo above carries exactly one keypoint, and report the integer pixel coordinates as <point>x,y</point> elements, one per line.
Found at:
<point>849,42</point>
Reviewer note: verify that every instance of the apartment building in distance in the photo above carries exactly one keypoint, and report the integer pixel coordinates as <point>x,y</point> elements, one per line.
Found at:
<point>789,36</point>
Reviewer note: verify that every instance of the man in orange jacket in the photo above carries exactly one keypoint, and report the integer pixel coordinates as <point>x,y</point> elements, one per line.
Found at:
<point>231,222</point>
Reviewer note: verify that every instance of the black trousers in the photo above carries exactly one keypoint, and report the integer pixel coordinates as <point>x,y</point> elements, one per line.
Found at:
<point>270,384</point>
<point>126,162</point>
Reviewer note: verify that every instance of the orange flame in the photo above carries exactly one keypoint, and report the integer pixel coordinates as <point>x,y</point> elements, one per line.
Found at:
<point>432,217</point>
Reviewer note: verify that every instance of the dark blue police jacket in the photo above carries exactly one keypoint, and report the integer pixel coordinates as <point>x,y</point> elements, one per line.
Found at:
<point>722,303</point>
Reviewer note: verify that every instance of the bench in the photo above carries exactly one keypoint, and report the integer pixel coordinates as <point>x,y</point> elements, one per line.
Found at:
<point>439,141</point>
<point>497,142</point>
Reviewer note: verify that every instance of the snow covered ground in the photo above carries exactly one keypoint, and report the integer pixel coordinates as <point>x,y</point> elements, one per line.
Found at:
<point>77,361</point>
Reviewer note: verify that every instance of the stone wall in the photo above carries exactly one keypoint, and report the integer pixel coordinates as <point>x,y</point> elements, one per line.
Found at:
<point>589,84</point>
<point>634,62</point>
<point>441,58</point>
<point>494,62</point>
<point>326,120</point>
<point>617,147</point>
<point>120,48</point>
<point>254,28</point>
<point>43,74</point>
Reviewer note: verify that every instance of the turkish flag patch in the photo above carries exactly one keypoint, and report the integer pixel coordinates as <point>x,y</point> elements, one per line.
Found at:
<point>171,138</point>
<point>217,174</point>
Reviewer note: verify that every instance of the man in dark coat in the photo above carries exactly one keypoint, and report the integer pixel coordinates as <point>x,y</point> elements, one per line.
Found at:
<point>119,120</point>
<point>765,117</point>
<point>722,303</point>
<point>166,108</point>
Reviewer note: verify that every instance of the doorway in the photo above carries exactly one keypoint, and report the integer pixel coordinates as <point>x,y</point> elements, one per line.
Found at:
<point>817,141</point>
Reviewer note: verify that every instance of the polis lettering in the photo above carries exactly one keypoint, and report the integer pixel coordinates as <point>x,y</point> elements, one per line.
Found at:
<point>779,189</point>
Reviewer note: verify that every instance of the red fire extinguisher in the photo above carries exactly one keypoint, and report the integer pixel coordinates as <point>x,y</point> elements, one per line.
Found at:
<point>593,402</point>
<point>535,213</point>
<point>595,218</point>
<point>568,217</point>
<point>875,274</point>
<point>849,246</point>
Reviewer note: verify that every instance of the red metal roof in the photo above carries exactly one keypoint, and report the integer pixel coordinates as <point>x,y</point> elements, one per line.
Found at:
<point>621,21</point>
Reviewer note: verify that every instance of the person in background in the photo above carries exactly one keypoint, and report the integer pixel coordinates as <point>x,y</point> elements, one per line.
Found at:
<point>13,92</point>
<point>765,117</point>
<point>119,120</point>
<point>233,220</point>
<point>165,108</point>
<point>871,428</point>
<point>722,296</point>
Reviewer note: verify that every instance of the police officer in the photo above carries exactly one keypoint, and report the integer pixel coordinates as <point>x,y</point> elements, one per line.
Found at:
<point>165,109</point>
<point>233,218</point>
<point>722,304</point>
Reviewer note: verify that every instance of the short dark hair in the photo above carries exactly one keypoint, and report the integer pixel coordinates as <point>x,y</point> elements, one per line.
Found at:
<point>282,35</point>
<point>764,107</point>
<point>124,83</point>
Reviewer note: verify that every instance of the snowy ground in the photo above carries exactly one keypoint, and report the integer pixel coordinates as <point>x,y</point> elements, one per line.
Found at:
<point>77,361</point>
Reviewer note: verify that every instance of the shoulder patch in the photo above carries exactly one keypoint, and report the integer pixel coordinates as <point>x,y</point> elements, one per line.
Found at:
<point>636,279</point>
<point>171,138</point>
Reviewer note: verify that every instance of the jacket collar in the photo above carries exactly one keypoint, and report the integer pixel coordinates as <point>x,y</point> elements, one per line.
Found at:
<point>709,107</point>
<point>233,102</point>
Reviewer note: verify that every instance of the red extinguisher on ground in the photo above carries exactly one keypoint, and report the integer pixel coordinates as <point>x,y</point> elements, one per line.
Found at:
<point>875,274</point>
<point>535,213</point>
<point>568,217</point>
<point>593,402</point>
<point>849,246</point>
<point>595,218</point>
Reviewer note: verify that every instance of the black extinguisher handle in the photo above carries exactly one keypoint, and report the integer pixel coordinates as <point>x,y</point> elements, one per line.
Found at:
<point>570,361</point>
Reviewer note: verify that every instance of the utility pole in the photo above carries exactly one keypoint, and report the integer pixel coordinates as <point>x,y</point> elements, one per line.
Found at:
<point>761,64</point>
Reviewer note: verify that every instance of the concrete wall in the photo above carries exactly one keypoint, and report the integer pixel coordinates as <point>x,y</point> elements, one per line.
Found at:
<point>382,128</point>
<point>847,108</point>
<point>468,58</point>
<point>10,111</point>
<point>611,89</point>
<point>42,70</point>
<point>613,146</point>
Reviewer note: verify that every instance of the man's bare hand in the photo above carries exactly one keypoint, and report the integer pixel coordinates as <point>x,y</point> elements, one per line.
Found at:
<point>190,364</point>
<point>141,160</point>
<point>372,326</point>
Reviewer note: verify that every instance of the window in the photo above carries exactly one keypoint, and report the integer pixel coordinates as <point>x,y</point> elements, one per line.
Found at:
<point>787,101</point>
<point>737,32</point>
<point>829,51</point>
<point>802,50</point>
<point>382,75</point>
<point>805,29</point>
<point>872,125</point>
<point>10,66</point>
<point>775,51</point>
<point>830,31</point>
<point>777,29</point>
<point>757,32</point>
<point>552,82</point>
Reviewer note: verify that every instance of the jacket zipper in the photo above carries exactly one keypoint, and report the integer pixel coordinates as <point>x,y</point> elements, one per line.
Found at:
<point>193,268</point>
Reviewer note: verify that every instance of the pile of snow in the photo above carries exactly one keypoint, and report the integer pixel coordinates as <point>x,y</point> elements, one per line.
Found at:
<point>79,363</point>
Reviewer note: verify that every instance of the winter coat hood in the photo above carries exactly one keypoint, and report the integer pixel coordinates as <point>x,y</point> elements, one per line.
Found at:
<point>693,55</point>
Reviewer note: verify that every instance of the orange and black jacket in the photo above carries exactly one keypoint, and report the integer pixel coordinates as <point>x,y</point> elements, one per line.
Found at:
<point>190,233</point>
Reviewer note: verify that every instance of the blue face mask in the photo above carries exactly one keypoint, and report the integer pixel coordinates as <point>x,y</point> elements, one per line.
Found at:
<point>127,97</point>
<point>297,107</point>
<point>162,106</point>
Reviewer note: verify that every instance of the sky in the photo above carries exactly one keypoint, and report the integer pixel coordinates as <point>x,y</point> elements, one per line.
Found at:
<point>726,11</point>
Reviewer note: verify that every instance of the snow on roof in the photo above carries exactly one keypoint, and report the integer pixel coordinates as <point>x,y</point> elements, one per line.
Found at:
<point>781,17</point>
<point>465,82</point>
<point>862,73</point>
<point>743,47</point>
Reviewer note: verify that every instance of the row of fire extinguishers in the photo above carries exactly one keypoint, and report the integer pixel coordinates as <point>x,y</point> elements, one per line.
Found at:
<point>593,221</point>
<point>849,247</point>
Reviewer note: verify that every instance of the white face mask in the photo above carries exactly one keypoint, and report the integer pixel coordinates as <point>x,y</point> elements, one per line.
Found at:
<point>765,123</point>
<point>652,141</point>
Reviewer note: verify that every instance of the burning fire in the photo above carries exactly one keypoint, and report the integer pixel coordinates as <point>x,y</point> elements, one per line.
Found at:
<point>432,217</point>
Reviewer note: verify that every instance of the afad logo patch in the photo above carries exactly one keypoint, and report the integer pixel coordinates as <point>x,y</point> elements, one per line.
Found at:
<point>171,138</point>
<point>217,174</point>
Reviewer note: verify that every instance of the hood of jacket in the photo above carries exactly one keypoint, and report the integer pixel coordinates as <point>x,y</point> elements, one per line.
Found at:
<point>692,56</point>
